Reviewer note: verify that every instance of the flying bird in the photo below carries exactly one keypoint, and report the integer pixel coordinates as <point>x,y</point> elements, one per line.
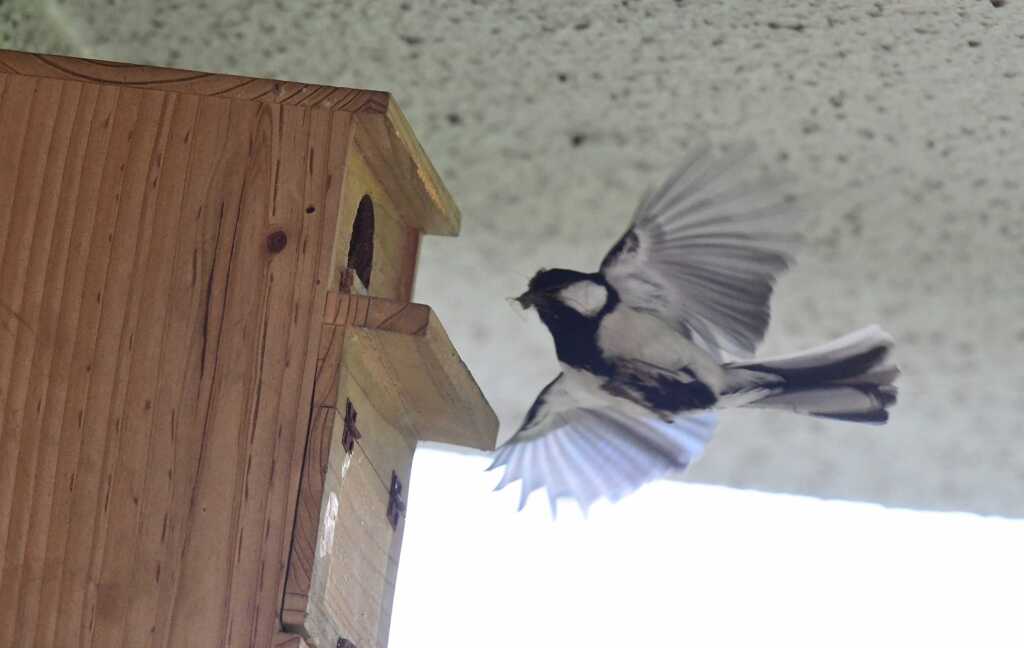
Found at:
<point>662,336</point>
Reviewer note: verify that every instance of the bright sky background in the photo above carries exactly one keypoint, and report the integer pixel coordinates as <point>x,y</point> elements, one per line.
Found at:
<point>681,564</point>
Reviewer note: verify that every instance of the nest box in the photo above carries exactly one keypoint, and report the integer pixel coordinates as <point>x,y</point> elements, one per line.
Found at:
<point>212,379</point>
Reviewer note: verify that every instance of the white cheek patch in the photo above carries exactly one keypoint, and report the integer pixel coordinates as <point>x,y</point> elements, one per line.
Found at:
<point>585,297</point>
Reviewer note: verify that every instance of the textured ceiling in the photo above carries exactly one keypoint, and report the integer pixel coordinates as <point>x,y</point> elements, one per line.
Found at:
<point>900,120</point>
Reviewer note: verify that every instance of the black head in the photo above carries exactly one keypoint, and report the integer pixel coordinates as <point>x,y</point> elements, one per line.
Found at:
<point>554,279</point>
<point>557,289</point>
<point>572,305</point>
<point>546,284</point>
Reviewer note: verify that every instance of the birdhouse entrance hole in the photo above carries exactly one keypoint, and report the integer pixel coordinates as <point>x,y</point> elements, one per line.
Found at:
<point>360,247</point>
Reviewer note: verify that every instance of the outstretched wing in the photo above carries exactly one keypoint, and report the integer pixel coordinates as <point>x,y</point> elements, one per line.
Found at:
<point>704,250</point>
<point>585,453</point>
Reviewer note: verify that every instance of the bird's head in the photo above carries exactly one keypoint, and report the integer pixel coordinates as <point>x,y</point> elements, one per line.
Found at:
<point>549,290</point>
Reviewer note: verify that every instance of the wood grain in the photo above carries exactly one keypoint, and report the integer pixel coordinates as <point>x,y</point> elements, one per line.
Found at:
<point>286,640</point>
<point>394,270</point>
<point>395,156</point>
<point>393,361</point>
<point>383,136</point>
<point>401,353</point>
<point>342,583</point>
<point>168,378</point>
<point>325,429</point>
<point>156,358</point>
<point>228,86</point>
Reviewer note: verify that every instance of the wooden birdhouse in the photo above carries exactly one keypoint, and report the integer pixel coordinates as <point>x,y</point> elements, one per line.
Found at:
<point>212,379</point>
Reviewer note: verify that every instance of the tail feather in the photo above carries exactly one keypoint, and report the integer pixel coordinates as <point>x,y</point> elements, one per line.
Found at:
<point>849,379</point>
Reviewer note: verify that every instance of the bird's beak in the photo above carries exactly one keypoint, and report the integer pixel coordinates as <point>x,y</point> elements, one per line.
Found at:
<point>526,300</point>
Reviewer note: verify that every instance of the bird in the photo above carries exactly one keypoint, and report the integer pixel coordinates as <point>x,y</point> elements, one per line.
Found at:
<point>662,337</point>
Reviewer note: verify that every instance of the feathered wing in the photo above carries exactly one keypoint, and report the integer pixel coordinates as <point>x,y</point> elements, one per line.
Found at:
<point>584,453</point>
<point>704,250</point>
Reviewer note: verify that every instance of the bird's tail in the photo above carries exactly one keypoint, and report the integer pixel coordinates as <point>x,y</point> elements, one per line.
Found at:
<point>850,379</point>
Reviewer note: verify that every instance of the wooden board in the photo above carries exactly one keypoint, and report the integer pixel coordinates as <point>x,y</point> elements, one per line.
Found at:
<point>342,579</point>
<point>401,354</point>
<point>383,137</point>
<point>286,640</point>
<point>393,361</point>
<point>394,268</point>
<point>157,354</point>
<point>309,512</point>
<point>395,157</point>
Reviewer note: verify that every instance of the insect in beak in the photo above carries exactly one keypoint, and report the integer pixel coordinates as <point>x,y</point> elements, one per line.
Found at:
<point>526,300</point>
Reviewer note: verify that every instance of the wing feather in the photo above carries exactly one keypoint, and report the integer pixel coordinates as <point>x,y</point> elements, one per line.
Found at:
<point>587,454</point>
<point>704,250</point>
<point>595,461</point>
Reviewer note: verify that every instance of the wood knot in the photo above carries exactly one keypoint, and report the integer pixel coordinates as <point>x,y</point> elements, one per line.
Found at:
<point>276,241</point>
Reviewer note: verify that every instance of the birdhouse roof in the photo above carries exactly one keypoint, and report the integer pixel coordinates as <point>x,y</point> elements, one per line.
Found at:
<point>381,134</point>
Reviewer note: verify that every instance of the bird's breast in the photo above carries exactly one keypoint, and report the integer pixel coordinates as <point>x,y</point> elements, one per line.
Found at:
<point>629,334</point>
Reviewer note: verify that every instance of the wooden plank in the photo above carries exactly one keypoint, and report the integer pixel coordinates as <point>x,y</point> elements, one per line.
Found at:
<point>146,565</point>
<point>125,453</point>
<point>355,584</point>
<point>28,380</point>
<point>394,266</point>
<point>384,137</point>
<point>327,159</point>
<point>269,91</point>
<point>180,391</point>
<point>401,352</point>
<point>287,640</point>
<point>108,444</point>
<point>157,357</point>
<point>63,404</point>
<point>348,573</point>
<point>24,178</point>
<point>96,363</point>
<point>51,356</point>
<point>397,159</point>
<point>324,427</point>
<point>387,449</point>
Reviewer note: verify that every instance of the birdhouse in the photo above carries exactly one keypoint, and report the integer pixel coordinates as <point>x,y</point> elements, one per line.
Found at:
<point>212,379</point>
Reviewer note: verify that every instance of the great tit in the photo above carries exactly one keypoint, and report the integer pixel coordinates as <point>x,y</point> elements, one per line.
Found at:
<point>662,336</point>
